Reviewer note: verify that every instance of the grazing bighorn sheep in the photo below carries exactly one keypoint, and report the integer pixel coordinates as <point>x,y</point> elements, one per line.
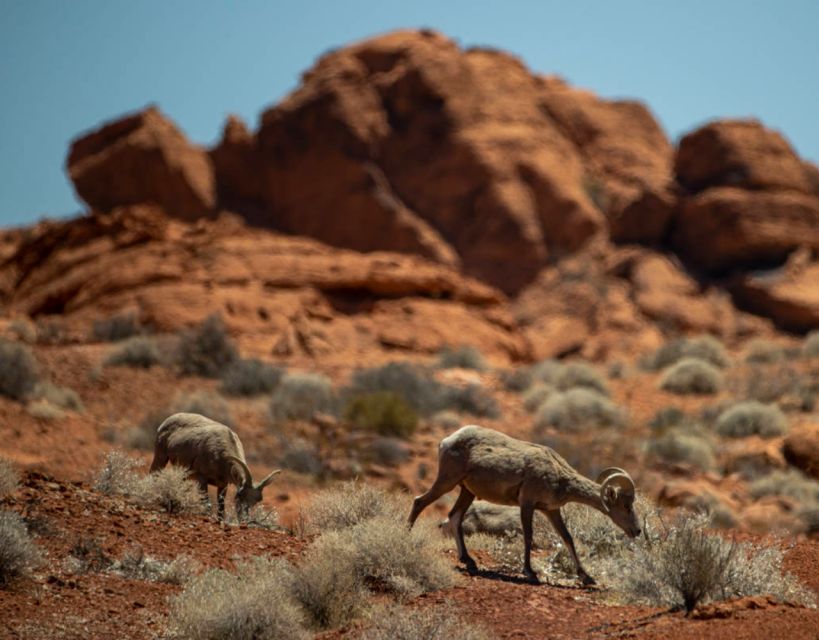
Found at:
<point>213,453</point>
<point>500,469</point>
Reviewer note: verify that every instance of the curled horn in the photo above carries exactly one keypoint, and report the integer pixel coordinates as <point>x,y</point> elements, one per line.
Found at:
<point>245,469</point>
<point>617,477</point>
<point>266,480</point>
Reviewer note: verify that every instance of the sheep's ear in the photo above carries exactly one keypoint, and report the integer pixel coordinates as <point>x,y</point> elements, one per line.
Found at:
<point>268,479</point>
<point>609,495</point>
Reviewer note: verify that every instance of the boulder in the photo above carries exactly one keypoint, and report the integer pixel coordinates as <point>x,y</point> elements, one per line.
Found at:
<point>739,153</point>
<point>801,448</point>
<point>142,158</point>
<point>727,228</point>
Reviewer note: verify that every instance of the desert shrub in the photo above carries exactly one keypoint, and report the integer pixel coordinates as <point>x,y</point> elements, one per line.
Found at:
<point>685,565</point>
<point>18,370</point>
<point>536,395</point>
<point>791,483</point>
<point>759,351</point>
<point>135,564</point>
<point>302,457</point>
<point>250,377</point>
<point>388,451</point>
<point>691,376</point>
<point>260,517</point>
<point>51,331</point>
<point>44,410</point>
<point>785,385</point>
<point>207,403</point>
<point>255,603</point>
<point>138,351</point>
<point>464,357</point>
<point>117,476</point>
<point>577,409</point>
<point>171,490</point>
<point>388,557</point>
<point>568,376</point>
<point>413,383</point>
<point>115,328</point>
<point>61,397</point>
<point>516,379</point>
<point>329,589</point>
<point>810,347</point>
<point>9,478</point>
<point>752,418</point>
<point>384,412</point>
<point>439,623</point>
<point>86,555</point>
<point>676,446</point>
<point>447,419</point>
<point>18,553</point>
<point>352,503</point>
<point>706,348</point>
<point>300,395</point>
<point>206,350</point>
<point>666,418</point>
<point>473,399</point>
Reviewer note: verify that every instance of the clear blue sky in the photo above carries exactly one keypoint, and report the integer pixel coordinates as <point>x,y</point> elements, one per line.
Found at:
<point>67,65</point>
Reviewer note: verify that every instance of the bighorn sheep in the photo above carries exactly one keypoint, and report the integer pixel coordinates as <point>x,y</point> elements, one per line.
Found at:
<point>214,455</point>
<point>500,469</point>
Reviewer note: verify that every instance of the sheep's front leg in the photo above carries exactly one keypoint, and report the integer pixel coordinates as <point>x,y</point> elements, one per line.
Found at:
<point>220,503</point>
<point>556,518</point>
<point>527,512</point>
<point>203,488</point>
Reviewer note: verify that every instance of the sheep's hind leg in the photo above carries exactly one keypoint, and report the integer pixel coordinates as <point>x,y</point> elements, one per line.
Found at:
<point>203,489</point>
<point>527,512</point>
<point>456,517</point>
<point>556,518</point>
<point>444,483</point>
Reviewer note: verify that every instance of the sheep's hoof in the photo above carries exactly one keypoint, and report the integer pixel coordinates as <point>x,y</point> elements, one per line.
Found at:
<point>531,577</point>
<point>587,580</point>
<point>471,566</point>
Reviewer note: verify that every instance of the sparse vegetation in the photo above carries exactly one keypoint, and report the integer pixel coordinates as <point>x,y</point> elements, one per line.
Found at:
<point>117,475</point>
<point>752,418</point>
<point>691,376</point>
<point>44,410</point>
<point>536,395</point>
<point>463,357</point>
<point>61,397</point>
<point>677,446</point>
<point>706,348</point>
<point>785,385</point>
<point>329,589</point>
<point>761,351</point>
<point>115,328</point>
<point>569,376</point>
<point>138,351</point>
<point>438,623</point>
<point>388,451</point>
<point>250,377</point>
<point>302,457</point>
<point>18,553</point>
<point>413,383</point>
<point>300,395</point>
<point>791,483</point>
<point>18,370</point>
<point>516,379</point>
<point>9,478</point>
<point>473,399</point>
<point>135,564</point>
<point>666,418</point>
<point>206,350</point>
<point>447,419</point>
<point>577,409</point>
<point>255,603</point>
<point>383,412</point>
<point>350,504</point>
<point>810,348</point>
<point>170,490</point>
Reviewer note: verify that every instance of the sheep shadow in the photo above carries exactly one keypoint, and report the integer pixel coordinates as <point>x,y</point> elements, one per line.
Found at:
<point>488,574</point>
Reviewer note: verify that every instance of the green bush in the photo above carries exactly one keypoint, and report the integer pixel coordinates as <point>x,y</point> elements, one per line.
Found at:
<point>384,412</point>
<point>138,351</point>
<point>255,603</point>
<point>676,446</point>
<point>250,377</point>
<point>115,328</point>
<point>810,348</point>
<point>691,376</point>
<point>463,357</point>
<point>9,478</point>
<point>438,623</point>
<point>206,350</point>
<point>300,395</point>
<point>578,409</point>
<point>18,553</point>
<point>752,418</point>
<point>18,370</point>
<point>705,348</point>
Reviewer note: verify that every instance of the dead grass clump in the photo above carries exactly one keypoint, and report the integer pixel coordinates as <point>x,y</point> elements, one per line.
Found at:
<point>135,564</point>
<point>170,490</point>
<point>44,410</point>
<point>438,623</point>
<point>691,376</point>
<point>140,352</point>
<point>18,370</point>
<point>255,603</point>
<point>250,377</point>
<point>706,348</point>
<point>9,478</point>
<point>463,357</point>
<point>752,418</point>
<point>578,409</point>
<point>206,350</point>
<point>117,475</point>
<point>676,446</point>
<point>351,503</point>
<point>300,395</point>
<point>115,328</point>
<point>18,553</point>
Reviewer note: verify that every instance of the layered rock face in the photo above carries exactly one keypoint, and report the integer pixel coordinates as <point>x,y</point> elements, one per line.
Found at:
<point>142,159</point>
<point>407,143</point>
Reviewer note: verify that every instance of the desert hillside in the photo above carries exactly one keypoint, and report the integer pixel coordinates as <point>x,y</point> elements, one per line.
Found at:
<point>417,238</point>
